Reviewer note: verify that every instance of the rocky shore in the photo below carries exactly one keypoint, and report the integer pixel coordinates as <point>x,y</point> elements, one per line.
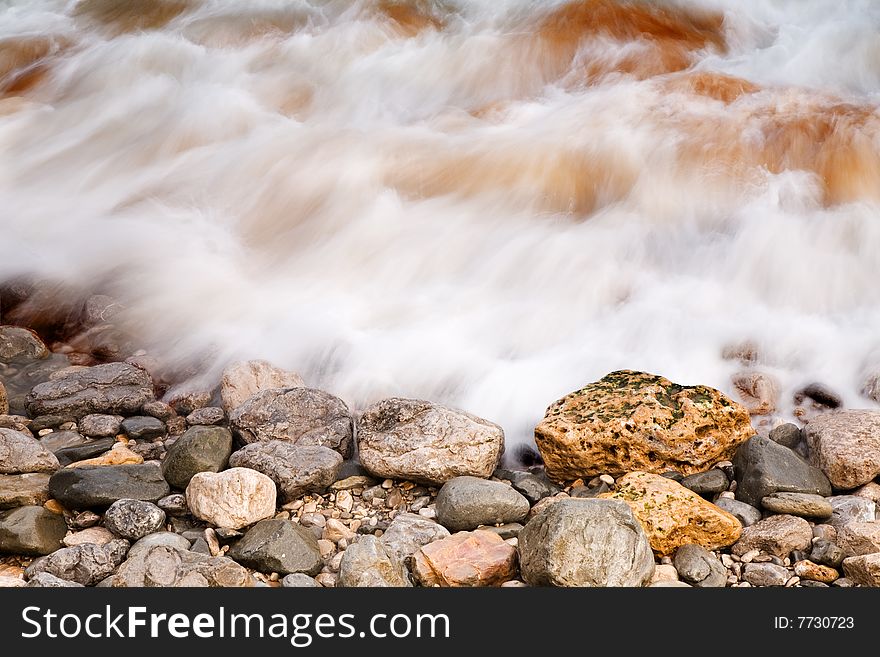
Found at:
<point>107,479</point>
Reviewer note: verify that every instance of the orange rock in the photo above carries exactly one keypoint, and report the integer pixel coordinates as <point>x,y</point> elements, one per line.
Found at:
<point>54,506</point>
<point>477,558</point>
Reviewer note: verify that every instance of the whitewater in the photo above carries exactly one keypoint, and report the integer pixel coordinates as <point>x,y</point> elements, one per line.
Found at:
<point>487,204</point>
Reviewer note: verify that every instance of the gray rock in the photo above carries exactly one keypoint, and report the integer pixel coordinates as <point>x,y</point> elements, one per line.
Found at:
<point>174,504</point>
<point>87,450</point>
<point>776,535</point>
<point>20,453</point>
<point>465,503</point>
<point>587,492</point>
<point>58,440</point>
<point>745,513</point>
<point>169,539</point>
<point>408,532</point>
<point>699,567</point>
<point>201,546</point>
<point>764,467</point>
<point>86,564</point>
<point>162,565</point>
<point>133,519</point>
<point>303,416</point>
<point>207,416</point>
<point>96,486</point>
<point>827,553</point>
<point>97,425</point>
<point>143,427</point>
<point>50,422</point>
<point>427,443</point>
<point>31,530</point>
<point>295,469</point>
<point>113,388</point>
<point>805,505</point>
<point>788,435</point>
<point>765,574</point>
<point>23,490</point>
<point>585,542</point>
<point>278,546</point>
<point>299,581</point>
<point>706,483</point>
<point>200,449</point>
<point>505,531</point>
<point>50,581</point>
<point>20,345</point>
<point>532,486</point>
<point>368,564</point>
<point>851,508</point>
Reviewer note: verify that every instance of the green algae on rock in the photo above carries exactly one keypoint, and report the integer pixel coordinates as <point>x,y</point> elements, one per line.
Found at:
<point>630,421</point>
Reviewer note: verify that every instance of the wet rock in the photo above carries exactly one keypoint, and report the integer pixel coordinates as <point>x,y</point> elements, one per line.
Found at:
<point>134,519</point>
<point>470,559</point>
<point>427,443</point>
<point>601,428</point>
<point>97,425</point>
<point>233,498</point>
<point>758,391</point>
<point>187,401</point>
<point>672,515</point>
<point>113,388</point>
<point>585,542</point>
<point>159,410</point>
<point>278,546</point>
<point>85,564</point>
<point>764,467</point>
<point>368,564</point>
<point>699,567</point>
<point>30,489</point>
<point>408,532</point>
<point>745,513</point>
<point>20,345</point>
<point>788,435</point>
<point>100,486</point>
<point>21,453</point>
<point>828,553</point>
<point>243,380</point>
<point>465,503</point>
<point>143,427</point>
<point>805,505</point>
<point>208,416</point>
<point>845,445</point>
<point>532,486</point>
<point>706,483</point>
<point>295,469</point>
<point>776,535</point>
<point>303,416</point>
<point>31,530</point>
<point>162,565</point>
<point>174,504</point>
<point>819,394</point>
<point>59,440</point>
<point>200,449</point>
<point>86,450</point>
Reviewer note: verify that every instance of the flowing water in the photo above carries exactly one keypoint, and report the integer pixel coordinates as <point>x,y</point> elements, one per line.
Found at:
<point>487,203</point>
